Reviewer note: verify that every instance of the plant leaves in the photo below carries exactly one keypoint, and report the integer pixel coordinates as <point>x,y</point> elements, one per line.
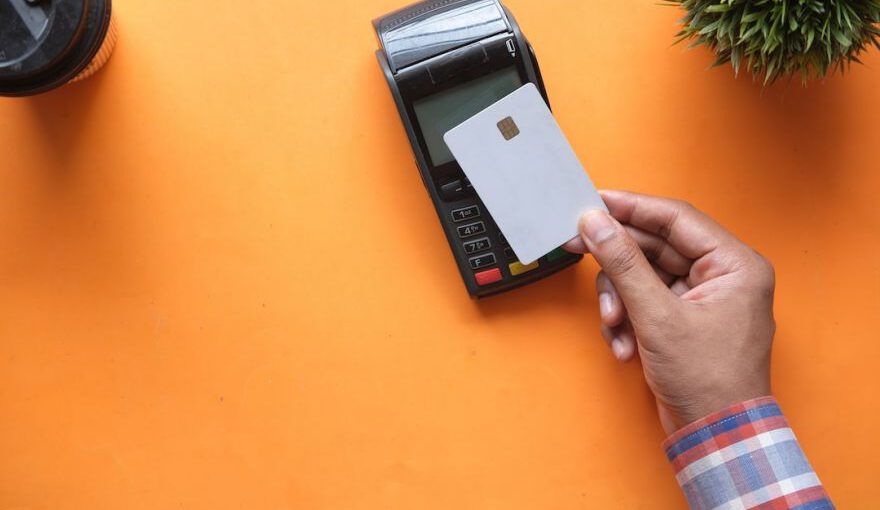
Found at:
<point>777,38</point>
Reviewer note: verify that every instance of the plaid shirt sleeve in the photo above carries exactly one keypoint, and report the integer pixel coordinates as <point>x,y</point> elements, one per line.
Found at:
<point>743,457</point>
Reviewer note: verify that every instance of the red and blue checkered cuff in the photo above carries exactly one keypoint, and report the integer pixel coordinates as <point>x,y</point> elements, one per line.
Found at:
<point>743,457</point>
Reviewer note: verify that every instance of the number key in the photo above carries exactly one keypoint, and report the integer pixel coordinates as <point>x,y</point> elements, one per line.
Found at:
<point>476,245</point>
<point>471,229</point>
<point>465,213</point>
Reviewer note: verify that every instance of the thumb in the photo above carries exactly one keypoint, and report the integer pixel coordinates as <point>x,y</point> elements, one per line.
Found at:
<point>624,263</point>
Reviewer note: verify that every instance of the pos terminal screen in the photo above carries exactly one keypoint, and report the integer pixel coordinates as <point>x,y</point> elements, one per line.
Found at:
<point>441,112</point>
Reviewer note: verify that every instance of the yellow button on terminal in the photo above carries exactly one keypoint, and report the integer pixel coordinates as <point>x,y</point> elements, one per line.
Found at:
<point>517,268</point>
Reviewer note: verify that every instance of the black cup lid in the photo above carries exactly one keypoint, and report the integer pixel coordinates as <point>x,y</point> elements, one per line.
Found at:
<point>37,34</point>
<point>45,43</point>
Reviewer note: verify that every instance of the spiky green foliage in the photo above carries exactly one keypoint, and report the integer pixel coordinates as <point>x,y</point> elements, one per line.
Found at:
<point>777,38</point>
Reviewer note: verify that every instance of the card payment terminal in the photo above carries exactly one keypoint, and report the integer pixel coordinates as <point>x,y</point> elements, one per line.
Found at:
<point>446,60</point>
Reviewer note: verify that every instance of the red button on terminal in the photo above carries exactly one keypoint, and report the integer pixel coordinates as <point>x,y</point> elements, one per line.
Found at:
<point>487,277</point>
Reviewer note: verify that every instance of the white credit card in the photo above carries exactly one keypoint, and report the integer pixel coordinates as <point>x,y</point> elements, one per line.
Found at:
<point>525,171</point>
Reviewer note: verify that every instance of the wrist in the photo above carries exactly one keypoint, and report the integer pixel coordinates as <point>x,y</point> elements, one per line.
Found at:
<point>711,411</point>
<point>715,396</point>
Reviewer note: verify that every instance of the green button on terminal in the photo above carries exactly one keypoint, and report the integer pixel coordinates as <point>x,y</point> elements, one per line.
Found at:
<point>556,254</point>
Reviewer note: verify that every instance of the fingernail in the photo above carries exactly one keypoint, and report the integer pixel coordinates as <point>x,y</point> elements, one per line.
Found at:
<point>597,226</point>
<point>618,349</point>
<point>605,303</point>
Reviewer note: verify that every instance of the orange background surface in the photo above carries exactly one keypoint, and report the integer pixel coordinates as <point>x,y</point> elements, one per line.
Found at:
<point>222,284</point>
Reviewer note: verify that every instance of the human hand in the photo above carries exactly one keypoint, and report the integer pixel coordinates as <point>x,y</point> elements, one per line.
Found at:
<point>692,299</point>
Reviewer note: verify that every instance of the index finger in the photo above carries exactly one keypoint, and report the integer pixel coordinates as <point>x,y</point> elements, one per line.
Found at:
<point>687,230</point>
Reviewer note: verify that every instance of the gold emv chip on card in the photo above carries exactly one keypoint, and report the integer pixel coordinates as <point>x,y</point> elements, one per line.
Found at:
<point>508,128</point>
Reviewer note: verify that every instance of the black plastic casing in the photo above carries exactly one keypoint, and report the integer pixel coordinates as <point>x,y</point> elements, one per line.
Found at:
<point>435,45</point>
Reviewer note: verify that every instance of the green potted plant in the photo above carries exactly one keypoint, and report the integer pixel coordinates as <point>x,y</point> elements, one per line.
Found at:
<point>780,38</point>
